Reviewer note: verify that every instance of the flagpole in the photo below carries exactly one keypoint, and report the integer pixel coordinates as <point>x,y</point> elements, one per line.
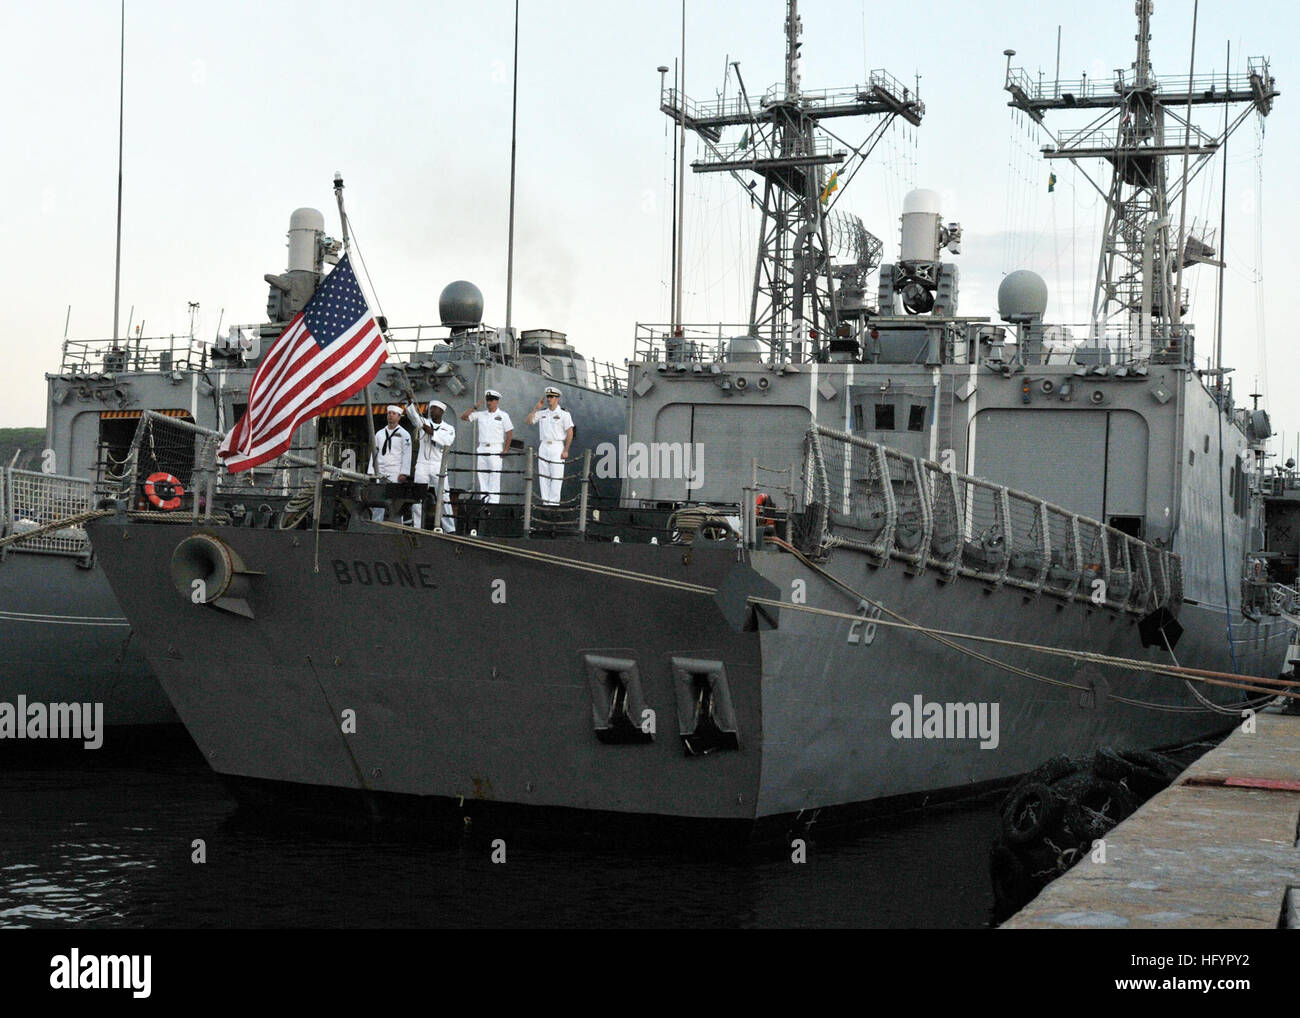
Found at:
<point>681,178</point>
<point>514,120</point>
<point>347,247</point>
<point>121,119</point>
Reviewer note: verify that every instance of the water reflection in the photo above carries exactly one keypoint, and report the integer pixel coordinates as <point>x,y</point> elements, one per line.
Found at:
<point>115,847</point>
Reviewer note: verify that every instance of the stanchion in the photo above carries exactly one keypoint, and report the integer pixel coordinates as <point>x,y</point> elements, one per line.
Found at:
<point>586,485</point>
<point>528,492</point>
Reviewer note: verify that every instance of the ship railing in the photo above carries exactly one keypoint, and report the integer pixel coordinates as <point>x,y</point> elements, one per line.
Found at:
<point>30,499</point>
<point>882,79</point>
<point>564,515</point>
<point>1111,348</point>
<point>416,343</point>
<point>1279,484</point>
<point>430,347</point>
<point>890,505</point>
<point>1284,600</point>
<point>172,469</point>
<point>1112,138</point>
<point>608,377</point>
<point>1038,89</point>
<point>113,357</point>
<point>735,109</point>
<point>771,499</point>
<point>169,461</point>
<point>690,344</point>
<point>832,98</point>
<point>675,101</point>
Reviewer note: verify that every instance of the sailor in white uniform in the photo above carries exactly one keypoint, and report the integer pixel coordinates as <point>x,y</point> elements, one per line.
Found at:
<point>392,457</point>
<point>554,436</point>
<point>495,430</point>
<point>436,436</point>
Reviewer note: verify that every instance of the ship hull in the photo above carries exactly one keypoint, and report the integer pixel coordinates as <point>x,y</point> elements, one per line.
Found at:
<point>455,679</point>
<point>841,724</point>
<point>65,640</point>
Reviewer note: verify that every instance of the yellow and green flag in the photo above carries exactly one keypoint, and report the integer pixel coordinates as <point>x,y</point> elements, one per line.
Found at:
<point>1051,182</point>
<point>832,185</point>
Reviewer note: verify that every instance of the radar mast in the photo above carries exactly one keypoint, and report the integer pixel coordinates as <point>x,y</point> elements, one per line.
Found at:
<point>800,293</point>
<point>1139,120</point>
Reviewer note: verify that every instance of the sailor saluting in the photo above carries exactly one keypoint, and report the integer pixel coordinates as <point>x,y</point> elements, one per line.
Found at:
<point>436,436</point>
<point>554,436</point>
<point>495,430</point>
<point>392,456</point>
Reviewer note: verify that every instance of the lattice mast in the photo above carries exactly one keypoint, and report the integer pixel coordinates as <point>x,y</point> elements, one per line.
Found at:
<point>795,298</point>
<point>1140,120</point>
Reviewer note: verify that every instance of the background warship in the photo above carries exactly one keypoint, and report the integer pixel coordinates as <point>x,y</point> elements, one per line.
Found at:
<point>65,637</point>
<point>900,511</point>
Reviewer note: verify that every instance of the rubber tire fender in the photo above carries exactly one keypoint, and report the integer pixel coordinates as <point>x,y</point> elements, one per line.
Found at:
<point>1028,812</point>
<point>1080,816</point>
<point>1108,764</point>
<point>1156,763</point>
<point>1051,771</point>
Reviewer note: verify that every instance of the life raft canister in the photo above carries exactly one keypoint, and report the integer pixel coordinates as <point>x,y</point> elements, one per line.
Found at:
<point>764,509</point>
<point>164,491</point>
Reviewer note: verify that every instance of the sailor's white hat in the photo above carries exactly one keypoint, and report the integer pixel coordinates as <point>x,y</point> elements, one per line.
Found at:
<point>393,408</point>
<point>437,403</point>
<point>491,394</point>
<point>552,391</point>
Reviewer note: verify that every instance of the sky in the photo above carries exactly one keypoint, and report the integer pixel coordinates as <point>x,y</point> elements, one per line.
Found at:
<point>237,113</point>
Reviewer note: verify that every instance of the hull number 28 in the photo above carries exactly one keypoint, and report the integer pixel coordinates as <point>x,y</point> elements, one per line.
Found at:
<point>863,631</point>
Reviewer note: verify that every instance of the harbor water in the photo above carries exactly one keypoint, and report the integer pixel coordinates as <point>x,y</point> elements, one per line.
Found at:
<point>157,843</point>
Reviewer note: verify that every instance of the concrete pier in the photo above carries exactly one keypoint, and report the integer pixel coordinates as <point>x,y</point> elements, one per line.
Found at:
<point>1215,850</point>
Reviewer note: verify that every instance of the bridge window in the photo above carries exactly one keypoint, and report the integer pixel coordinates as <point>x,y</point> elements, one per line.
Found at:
<point>916,418</point>
<point>884,416</point>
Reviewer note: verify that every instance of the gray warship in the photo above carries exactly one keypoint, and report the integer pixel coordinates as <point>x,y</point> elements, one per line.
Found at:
<point>867,551</point>
<point>64,636</point>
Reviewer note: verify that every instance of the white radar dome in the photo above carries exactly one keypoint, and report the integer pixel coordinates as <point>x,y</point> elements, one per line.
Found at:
<point>306,219</point>
<point>922,200</point>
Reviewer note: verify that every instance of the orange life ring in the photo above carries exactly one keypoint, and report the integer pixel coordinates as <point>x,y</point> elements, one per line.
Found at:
<point>169,497</point>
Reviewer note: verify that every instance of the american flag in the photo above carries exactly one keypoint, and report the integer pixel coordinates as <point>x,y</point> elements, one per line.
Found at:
<point>330,351</point>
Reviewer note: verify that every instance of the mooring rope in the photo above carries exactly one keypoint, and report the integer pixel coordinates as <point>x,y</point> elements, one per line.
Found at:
<point>945,637</point>
<point>60,524</point>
